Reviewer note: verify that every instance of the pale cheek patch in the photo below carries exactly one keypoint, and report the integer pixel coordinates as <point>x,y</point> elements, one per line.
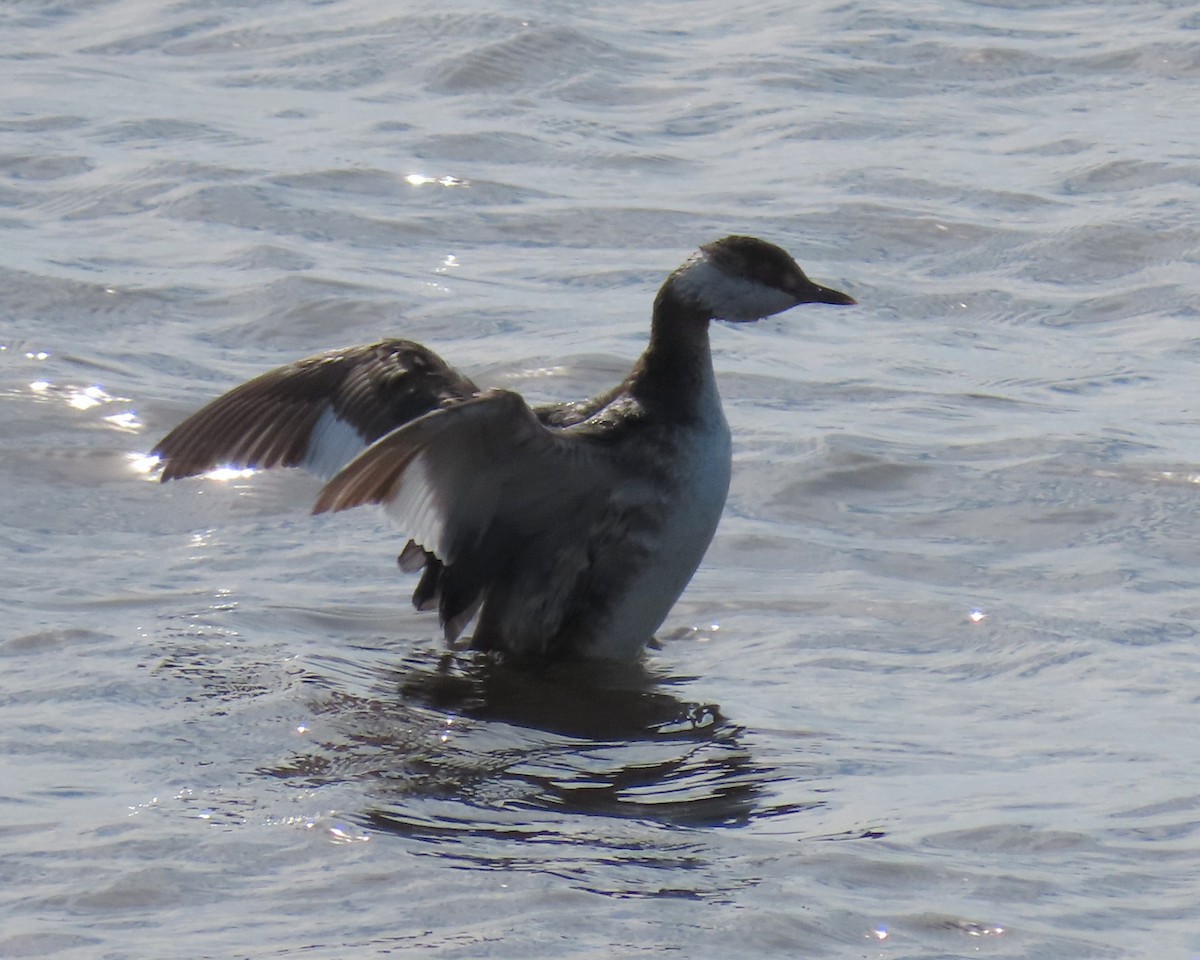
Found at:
<point>730,298</point>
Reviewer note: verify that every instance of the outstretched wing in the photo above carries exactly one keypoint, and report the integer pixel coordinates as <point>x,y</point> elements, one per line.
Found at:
<point>318,413</point>
<point>469,481</point>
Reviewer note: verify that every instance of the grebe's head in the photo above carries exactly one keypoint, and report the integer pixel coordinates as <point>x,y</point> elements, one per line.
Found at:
<point>744,278</point>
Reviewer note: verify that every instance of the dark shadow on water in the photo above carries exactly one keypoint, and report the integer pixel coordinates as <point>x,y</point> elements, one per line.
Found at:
<point>458,746</point>
<point>596,701</point>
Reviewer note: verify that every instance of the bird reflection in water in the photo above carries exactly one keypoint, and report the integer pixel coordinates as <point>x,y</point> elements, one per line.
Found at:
<point>457,744</point>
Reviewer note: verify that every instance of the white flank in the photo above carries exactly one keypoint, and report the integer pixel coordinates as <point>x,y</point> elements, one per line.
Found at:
<point>333,444</point>
<point>729,298</point>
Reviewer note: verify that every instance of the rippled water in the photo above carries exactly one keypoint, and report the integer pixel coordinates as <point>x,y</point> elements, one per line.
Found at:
<point>934,692</point>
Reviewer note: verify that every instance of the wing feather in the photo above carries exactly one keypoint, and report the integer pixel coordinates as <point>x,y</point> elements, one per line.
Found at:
<point>465,483</point>
<point>318,413</point>
<point>449,476</point>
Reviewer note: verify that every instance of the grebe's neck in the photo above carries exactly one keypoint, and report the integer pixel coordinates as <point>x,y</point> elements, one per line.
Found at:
<point>674,377</point>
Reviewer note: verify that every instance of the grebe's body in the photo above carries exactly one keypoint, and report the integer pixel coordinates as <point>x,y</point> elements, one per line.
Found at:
<point>568,530</point>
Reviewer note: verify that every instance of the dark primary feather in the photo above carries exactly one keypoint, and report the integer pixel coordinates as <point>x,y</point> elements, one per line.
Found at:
<point>269,421</point>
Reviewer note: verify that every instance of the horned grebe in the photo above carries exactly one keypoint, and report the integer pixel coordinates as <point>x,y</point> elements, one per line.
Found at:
<point>569,530</point>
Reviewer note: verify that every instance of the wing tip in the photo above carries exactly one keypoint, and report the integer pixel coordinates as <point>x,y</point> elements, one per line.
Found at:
<point>170,468</point>
<point>345,491</point>
<point>326,503</point>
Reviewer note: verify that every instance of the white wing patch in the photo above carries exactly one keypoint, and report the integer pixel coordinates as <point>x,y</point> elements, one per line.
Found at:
<point>414,508</point>
<point>333,444</point>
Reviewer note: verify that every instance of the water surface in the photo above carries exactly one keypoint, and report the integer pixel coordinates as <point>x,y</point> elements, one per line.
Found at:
<point>933,692</point>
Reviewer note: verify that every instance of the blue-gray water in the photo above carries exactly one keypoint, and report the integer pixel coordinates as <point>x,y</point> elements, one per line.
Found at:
<point>934,691</point>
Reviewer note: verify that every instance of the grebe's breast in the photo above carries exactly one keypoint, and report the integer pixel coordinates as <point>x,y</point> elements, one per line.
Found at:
<point>681,506</point>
